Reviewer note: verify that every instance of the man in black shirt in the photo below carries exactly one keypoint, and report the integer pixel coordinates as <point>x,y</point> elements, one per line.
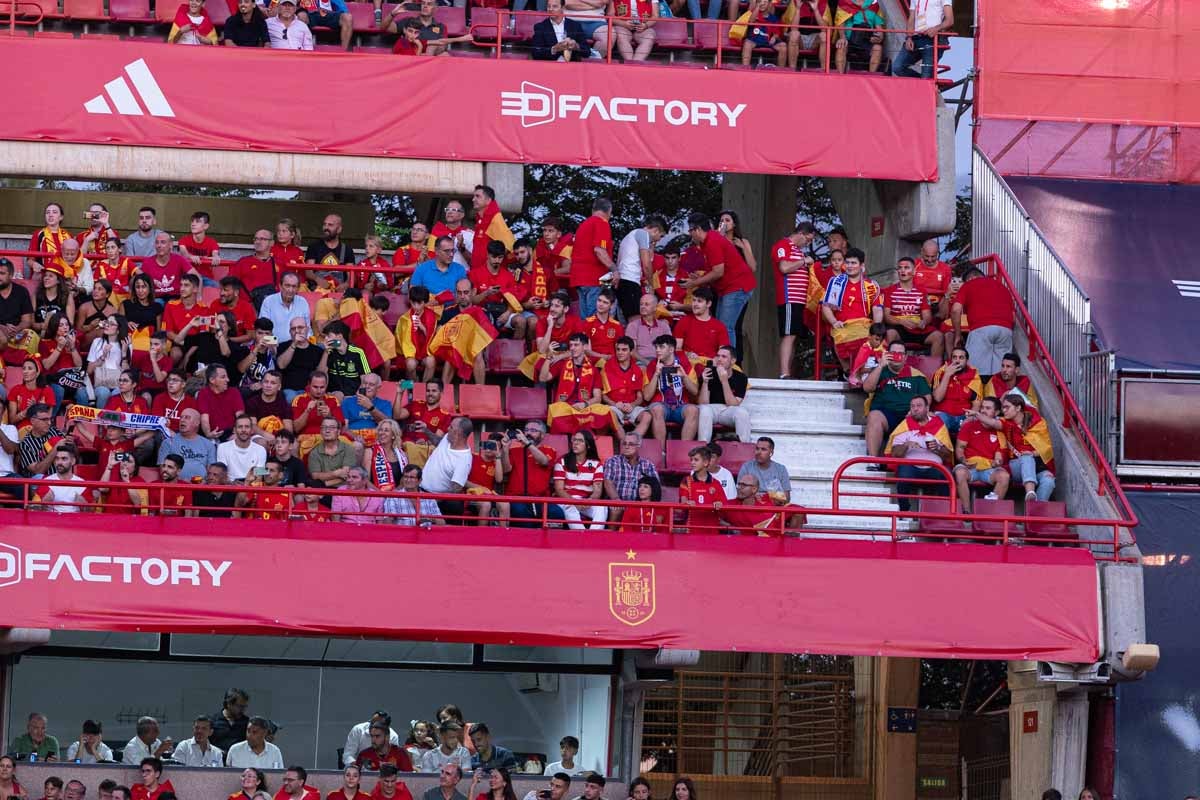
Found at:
<point>295,473</point>
<point>722,390</point>
<point>16,307</point>
<point>329,251</point>
<point>297,360</point>
<point>213,502</point>
<point>247,28</point>
<point>35,453</point>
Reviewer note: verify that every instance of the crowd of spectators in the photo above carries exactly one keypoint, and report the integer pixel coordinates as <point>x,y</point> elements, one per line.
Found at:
<point>234,739</point>
<point>842,31</point>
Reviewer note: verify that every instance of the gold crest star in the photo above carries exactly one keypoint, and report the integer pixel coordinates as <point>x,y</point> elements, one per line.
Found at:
<point>629,554</point>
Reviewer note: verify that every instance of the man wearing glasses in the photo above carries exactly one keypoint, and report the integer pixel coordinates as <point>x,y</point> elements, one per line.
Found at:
<point>462,236</point>
<point>36,451</point>
<point>531,465</point>
<point>286,31</point>
<point>627,468</point>
<point>440,274</point>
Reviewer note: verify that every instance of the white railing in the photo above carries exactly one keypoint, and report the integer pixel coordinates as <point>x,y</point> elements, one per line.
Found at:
<point>1060,309</point>
<point>1096,395</point>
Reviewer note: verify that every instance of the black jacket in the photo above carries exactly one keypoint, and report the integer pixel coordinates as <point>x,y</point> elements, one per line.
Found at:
<point>544,39</point>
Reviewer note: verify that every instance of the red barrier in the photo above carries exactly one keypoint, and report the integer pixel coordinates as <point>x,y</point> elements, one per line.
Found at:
<point>521,111</point>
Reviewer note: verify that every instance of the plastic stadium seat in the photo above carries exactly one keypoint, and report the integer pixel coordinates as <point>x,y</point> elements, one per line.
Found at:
<point>926,365</point>
<point>652,451</point>
<point>605,446</point>
<point>480,402</point>
<point>218,12</point>
<point>484,23</point>
<point>708,36</point>
<point>734,454</point>
<point>677,461</point>
<point>211,294</point>
<point>89,472</point>
<point>557,441</point>
<point>455,19</point>
<point>149,474</point>
<point>504,356</point>
<point>670,494</point>
<point>526,403</point>
<point>53,35</point>
<point>164,10</point>
<point>996,508</point>
<point>524,27</point>
<point>363,15</point>
<point>445,404</point>
<point>672,35</point>
<point>939,505</point>
<point>388,390</point>
<point>1048,530</point>
<point>397,305</point>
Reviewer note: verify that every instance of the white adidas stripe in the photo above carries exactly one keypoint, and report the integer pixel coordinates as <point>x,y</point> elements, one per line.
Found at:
<point>118,91</point>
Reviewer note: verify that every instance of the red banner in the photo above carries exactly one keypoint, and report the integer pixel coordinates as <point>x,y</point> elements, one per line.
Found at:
<point>228,98</point>
<point>74,571</point>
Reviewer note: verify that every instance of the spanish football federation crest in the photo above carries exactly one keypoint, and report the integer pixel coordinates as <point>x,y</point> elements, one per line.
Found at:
<point>631,591</point>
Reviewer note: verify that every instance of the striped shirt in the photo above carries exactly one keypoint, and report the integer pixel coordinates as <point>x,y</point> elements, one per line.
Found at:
<point>795,283</point>
<point>579,484</point>
<point>906,303</point>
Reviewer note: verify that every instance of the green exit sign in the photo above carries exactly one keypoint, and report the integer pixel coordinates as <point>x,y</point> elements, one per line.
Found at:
<point>934,783</point>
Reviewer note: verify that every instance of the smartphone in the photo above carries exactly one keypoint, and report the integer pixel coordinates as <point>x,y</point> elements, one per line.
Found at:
<point>406,385</point>
<point>260,472</point>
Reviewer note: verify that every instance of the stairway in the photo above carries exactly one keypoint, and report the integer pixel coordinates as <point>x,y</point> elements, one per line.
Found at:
<point>814,432</point>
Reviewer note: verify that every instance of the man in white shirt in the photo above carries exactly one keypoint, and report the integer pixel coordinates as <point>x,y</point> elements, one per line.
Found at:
<point>256,751</point>
<point>146,743</point>
<point>635,264</point>
<point>925,18</point>
<point>568,748</point>
<point>449,465</point>
<point>286,31</point>
<point>90,749</point>
<point>359,738</point>
<point>65,493</point>
<point>198,751</point>
<point>286,305</point>
<point>241,454</point>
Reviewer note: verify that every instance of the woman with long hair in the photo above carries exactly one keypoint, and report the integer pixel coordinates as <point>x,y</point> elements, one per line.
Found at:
<point>647,516</point>
<point>684,789</point>
<point>116,269</point>
<point>579,475</point>
<point>123,495</point>
<point>1031,454</point>
<point>107,356</point>
<point>499,785</point>
<point>420,740</point>
<point>731,228</point>
<point>140,308</point>
<point>128,400</point>
<point>384,461</point>
<point>52,297</point>
<point>253,786</point>
<point>92,312</point>
<point>28,393</point>
<point>351,787</point>
<point>286,250</point>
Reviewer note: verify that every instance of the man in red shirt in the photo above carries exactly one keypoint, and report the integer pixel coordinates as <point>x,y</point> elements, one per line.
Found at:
<point>150,788</point>
<point>576,397</point>
<point>186,318</point>
<point>533,284</point>
<point>232,299</point>
<point>174,401</point>
<point>851,303</point>
<point>166,269</point>
<point>623,382</point>
<point>382,751</point>
<point>601,329</point>
<point>791,267</point>
<point>725,268</point>
<point>294,787</point>
<point>531,466</point>
<point>491,282</point>
<point>98,233</point>
<point>425,422</point>
<point>553,252</point>
<point>310,408</point>
<point>591,256</point>
<point>753,513</point>
<point>390,787</point>
<point>979,455</point>
<point>700,334</point>
<point>416,250</point>
<point>453,227</point>
<point>906,311</point>
<point>932,276</point>
<point>200,249</point>
<point>990,307</point>
<point>957,390</point>
<point>702,492</point>
<point>257,271</point>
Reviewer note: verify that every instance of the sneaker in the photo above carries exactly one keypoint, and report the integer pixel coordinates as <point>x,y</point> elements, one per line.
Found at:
<point>379,18</point>
<point>876,468</point>
<point>1030,496</point>
<point>990,496</point>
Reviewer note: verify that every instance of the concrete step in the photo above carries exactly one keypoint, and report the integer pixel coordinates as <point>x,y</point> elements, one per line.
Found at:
<point>771,401</point>
<point>879,525</point>
<point>800,425</point>
<point>800,411</point>
<point>817,495</point>
<point>795,387</point>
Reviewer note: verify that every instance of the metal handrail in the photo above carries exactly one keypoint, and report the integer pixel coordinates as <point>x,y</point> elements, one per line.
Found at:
<point>25,17</point>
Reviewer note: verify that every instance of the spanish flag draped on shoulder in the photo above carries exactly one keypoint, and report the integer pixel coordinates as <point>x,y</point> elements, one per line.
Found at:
<point>461,338</point>
<point>198,27</point>
<point>368,331</point>
<point>489,226</point>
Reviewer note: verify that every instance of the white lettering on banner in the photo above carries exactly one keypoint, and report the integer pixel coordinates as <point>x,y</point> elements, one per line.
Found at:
<point>538,105</point>
<point>16,567</point>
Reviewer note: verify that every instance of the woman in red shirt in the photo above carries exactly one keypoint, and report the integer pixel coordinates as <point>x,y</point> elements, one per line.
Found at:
<point>20,398</point>
<point>254,786</point>
<point>127,400</point>
<point>125,497</point>
<point>116,270</point>
<point>499,786</point>
<point>351,777</point>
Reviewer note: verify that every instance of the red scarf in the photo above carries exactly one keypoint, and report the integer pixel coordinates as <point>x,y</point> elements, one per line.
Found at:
<point>572,385</point>
<point>381,468</point>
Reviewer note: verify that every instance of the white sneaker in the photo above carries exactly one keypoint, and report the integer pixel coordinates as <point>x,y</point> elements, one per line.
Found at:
<point>990,496</point>
<point>1030,496</point>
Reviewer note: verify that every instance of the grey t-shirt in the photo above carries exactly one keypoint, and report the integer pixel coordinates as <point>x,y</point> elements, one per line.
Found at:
<point>197,453</point>
<point>138,245</point>
<point>772,479</point>
<point>629,257</point>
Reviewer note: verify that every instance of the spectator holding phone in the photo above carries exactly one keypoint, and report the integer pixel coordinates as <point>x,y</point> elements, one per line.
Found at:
<point>499,782</point>
<point>365,410</point>
<point>892,385</point>
<point>560,783</point>
<point>90,749</point>
<point>923,439</point>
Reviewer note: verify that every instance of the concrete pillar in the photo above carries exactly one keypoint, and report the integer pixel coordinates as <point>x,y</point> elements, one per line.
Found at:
<point>864,701</point>
<point>898,683</point>
<point>1031,718</point>
<point>508,181</point>
<point>766,206</point>
<point>1069,756</point>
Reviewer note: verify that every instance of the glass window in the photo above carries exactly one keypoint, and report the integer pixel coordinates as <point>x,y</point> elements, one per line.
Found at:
<point>547,655</point>
<point>105,640</point>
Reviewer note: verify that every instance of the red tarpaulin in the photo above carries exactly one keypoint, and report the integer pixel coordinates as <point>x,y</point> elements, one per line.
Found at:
<point>227,98</point>
<point>560,588</point>
<point>1112,88</point>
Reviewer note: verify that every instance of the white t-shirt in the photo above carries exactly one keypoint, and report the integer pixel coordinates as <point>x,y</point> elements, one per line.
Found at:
<point>103,754</point>
<point>241,461</point>
<point>6,459</point>
<point>66,497</point>
<point>929,13</point>
<point>189,754</point>
<point>629,258</point>
<point>446,466</point>
<point>726,479</point>
<point>556,766</point>
<point>241,756</point>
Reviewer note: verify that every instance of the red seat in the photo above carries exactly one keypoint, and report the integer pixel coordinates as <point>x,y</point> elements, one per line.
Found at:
<point>209,295</point>
<point>218,12</point>
<point>709,35</point>
<point>89,472</point>
<point>445,404</point>
<point>677,460</point>
<point>926,365</point>
<point>559,442</point>
<point>455,19</point>
<point>53,35</point>
<point>670,494</point>
<point>149,474</point>
<point>504,356</point>
<point>164,10</point>
<point>1048,530</point>
<point>12,376</point>
<point>363,15</point>
<point>995,508</point>
<point>527,403</point>
<point>484,24</point>
<point>524,27</point>
<point>388,391</point>
<point>734,454</point>
<point>605,447</point>
<point>671,34</point>
<point>944,527</point>
<point>480,402</point>
<point>652,451</point>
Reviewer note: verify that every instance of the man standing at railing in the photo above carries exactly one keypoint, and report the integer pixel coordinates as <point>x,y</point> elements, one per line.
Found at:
<point>926,18</point>
<point>989,306</point>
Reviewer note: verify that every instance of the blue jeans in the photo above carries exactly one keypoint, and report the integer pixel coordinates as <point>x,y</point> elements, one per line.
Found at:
<point>102,395</point>
<point>533,513</point>
<point>730,307</point>
<point>1024,469</point>
<point>952,423</point>
<point>714,9</point>
<point>588,294</point>
<point>922,51</point>
<point>909,472</point>
<point>589,31</point>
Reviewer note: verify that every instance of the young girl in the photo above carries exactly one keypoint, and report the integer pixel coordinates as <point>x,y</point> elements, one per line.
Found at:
<point>93,312</point>
<point>107,356</point>
<point>646,517</point>
<point>115,269</point>
<point>286,250</point>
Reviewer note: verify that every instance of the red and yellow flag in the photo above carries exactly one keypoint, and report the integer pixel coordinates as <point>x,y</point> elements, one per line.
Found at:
<point>368,331</point>
<point>488,227</point>
<point>460,340</point>
<point>203,29</point>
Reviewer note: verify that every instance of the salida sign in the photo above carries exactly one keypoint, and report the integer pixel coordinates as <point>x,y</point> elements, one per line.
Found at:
<point>16,566</point>
<point>502,110</point>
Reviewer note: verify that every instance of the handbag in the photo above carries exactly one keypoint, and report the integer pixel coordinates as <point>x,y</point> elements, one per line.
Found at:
<point>73,378</point>
<point>106,377</point>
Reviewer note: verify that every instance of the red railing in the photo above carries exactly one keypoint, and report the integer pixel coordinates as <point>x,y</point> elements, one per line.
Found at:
<point>21,12</point>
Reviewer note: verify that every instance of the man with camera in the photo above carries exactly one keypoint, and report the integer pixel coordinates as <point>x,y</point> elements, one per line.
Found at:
<point>531,467</point>
<point>365,409</point>
<point>343,362</point>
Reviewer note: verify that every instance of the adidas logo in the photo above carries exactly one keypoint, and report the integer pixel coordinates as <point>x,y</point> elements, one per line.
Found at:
<point>1188,288</point>
<point>123,97</point>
